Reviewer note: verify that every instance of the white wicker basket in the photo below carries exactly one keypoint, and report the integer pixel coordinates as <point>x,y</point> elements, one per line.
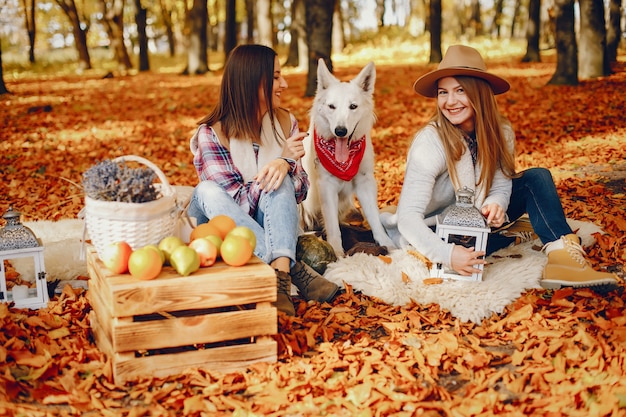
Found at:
<point>138,224</point>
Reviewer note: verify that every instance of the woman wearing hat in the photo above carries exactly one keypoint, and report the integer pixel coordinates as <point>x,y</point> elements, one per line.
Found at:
<point>468,143</point>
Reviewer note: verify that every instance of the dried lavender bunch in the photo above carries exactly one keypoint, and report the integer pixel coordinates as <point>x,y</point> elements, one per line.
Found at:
<point>112,181</point>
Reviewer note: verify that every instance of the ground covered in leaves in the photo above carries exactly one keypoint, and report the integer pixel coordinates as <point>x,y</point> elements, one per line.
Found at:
<point>549,354</point>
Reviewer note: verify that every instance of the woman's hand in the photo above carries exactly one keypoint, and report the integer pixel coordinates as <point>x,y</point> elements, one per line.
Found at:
<point>271,176</point>
<point>464,260</point>
<point>293,147</point>
<point>494,214</point>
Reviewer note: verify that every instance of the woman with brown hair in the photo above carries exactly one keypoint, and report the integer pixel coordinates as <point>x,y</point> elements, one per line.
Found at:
<point>468,143</point>
<point>247,155</point>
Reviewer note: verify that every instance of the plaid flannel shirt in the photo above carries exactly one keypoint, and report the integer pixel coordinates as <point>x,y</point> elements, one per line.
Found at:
<point>213,162</point>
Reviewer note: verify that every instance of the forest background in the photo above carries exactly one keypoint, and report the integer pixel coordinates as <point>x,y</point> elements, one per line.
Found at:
<point>550,353</point>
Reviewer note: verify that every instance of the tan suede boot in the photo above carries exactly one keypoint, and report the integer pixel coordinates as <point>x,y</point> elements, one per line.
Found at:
<point>567,266</point>
<point>312,285</point>
<point>283,295</point>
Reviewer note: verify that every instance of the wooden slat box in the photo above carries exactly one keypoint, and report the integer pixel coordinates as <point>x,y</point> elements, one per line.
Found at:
<point>220,318</point>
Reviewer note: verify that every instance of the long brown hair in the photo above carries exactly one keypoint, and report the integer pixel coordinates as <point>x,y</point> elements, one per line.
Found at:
<point>247,68</point>
<point>493,152</point>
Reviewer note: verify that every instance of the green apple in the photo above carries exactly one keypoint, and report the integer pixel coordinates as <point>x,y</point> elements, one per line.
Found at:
<point>185,260</point>
<point>168,244</point>
<point>246,232</point>
<point>159,251</point>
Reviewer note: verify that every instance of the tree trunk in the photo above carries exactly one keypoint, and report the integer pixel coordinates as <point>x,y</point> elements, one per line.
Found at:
<point>338,38</point>
<point>141,19</point>
<point>516,13</point>
<point>264,22</point>
<point>475,22</point>
<point>80,34</point>
<point>31,27</point>
<point>303,46</point>
<point>215,28</point>
<point>250,13</point>
<point>297,46</point>
<point>614,31</point>
<point>380,13</point>
<point>319,29</point>
<point>118,24</point>
<point>113,22</point>
<point>230,30</point>
<point>166,14</point>
<point>496,26</point>
<point>548,28</point>
<point>566,72</point>
<point>435,31</point>
<point>592,62</point>
<point>532,32</point>
<point>3,87</point>
<point>197,56</point>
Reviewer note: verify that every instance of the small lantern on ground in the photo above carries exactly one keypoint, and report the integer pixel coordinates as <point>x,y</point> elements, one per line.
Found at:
<point>18,241</point>
<point>462,224</point>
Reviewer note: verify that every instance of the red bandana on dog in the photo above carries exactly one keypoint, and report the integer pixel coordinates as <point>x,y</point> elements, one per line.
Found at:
<point>339,159</point>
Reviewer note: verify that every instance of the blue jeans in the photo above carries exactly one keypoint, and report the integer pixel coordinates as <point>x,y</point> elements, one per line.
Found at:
<point>534,193</point>
<point>275,222</point>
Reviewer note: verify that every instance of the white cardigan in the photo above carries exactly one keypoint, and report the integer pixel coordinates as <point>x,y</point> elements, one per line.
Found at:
<point>428,190</point>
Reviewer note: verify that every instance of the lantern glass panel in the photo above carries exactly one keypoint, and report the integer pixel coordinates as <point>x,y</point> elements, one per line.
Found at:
<point>464,225</point>
<point>18,241</point>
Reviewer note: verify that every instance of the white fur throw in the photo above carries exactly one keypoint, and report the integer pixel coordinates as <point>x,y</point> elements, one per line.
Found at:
<point>505,278</point>
<point>62,241</point>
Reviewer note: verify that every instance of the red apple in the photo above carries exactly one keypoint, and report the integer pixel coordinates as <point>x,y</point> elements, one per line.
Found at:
<point>115,257</point>
<point>205,249</point>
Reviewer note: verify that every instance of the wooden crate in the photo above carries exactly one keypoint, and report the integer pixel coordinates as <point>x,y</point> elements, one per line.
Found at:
<point>220,318</point>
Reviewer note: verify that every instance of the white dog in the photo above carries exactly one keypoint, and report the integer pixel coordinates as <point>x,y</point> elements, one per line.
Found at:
<point>339,156</point>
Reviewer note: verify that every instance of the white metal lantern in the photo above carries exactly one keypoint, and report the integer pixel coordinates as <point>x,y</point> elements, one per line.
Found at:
<point>462,224</point>
<point>18,241</point>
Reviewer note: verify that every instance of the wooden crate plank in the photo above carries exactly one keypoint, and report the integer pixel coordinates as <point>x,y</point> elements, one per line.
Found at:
<point>200,329</point>
<point>99,310</point>
<point>220,359</point>
<point>97,283</point>
<point>216,286</point>
<point>102,341</point>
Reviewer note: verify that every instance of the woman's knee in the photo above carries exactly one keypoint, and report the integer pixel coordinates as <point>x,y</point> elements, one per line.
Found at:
<point>207,189</point>
<point>287,187</point>
<point>286,192</point>
<point>538,175</point>
<point>204,193</point>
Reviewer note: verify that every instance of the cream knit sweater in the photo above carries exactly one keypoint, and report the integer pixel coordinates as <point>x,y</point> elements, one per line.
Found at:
<point>428,190</point>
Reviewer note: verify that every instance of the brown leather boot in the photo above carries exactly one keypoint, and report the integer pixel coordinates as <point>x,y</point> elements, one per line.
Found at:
<point>283,295</point>
<point>312,285</point>
<point>567,266</point>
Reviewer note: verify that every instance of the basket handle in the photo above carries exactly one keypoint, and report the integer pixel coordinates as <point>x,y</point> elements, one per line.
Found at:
<point>158,172</point>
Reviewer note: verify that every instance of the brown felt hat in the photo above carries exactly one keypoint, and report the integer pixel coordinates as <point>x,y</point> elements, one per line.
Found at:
<point>459,60</point>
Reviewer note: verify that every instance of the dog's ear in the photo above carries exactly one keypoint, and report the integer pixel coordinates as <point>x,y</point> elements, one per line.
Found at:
<point>366,78</point>
<point>324,77</point>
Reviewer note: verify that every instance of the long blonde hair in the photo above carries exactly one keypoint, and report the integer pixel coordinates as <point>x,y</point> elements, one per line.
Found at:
<point>493,152</point>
